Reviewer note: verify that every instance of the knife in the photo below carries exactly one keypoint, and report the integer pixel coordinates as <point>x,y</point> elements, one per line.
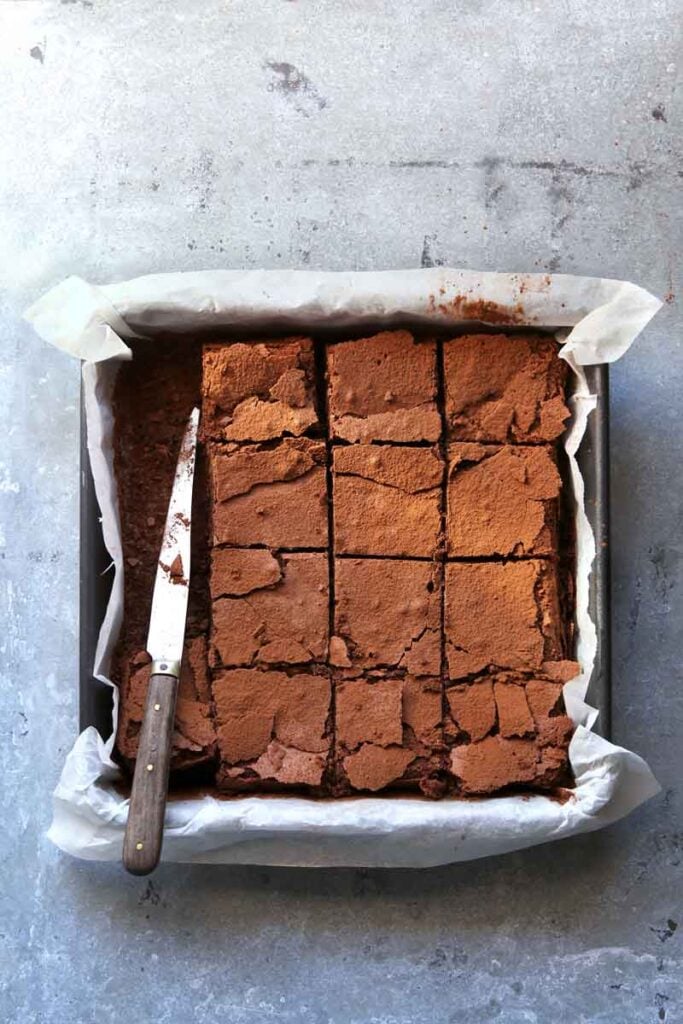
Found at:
<point>144,829</point>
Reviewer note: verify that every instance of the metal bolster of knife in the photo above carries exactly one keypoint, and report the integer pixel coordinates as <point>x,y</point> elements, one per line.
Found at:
<point>164,667</point>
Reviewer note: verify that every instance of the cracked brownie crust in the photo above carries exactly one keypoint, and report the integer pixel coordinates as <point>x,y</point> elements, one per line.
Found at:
<point>503,500</point>
<point>387,500</point>
<point>502,387</point>
<point>501,614</point>
<point>507,729</point>
<point>389,734</point>
<point>379,599</point>
<point>268,610</point>
<point>258,391</point>
<point>272,496</point>
<point>387,613</point>
<point>383,389</point>
<point>272,729</point>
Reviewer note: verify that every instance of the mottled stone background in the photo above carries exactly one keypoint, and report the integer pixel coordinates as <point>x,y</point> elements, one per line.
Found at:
<point>186,134</point>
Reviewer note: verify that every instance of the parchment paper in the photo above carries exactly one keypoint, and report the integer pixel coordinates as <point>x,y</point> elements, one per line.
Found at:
<point>596,318</point>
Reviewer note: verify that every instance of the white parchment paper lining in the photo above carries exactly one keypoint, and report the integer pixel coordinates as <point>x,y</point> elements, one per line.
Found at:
<point>597,319</point>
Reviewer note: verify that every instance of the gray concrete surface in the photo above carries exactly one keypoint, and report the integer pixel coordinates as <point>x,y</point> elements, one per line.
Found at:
<point>143,136</point>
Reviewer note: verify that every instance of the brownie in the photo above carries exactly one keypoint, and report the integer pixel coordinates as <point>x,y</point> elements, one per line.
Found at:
<point>383,388</point>
<point>447,600</point>
<point>387,614</point>
<point>502,500</point>
<point>268,610</point>
<point>194,738</point>
<point>502,387</point>
<point>389,734</point>
<point>387,500</point>
<point>505,730</point>
<point>273,729</point>
<point>504,614</point>
<point>258,391</point>
<point>275,496</point>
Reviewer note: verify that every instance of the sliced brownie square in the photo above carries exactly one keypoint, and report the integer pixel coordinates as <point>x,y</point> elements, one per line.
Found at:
<point>383,388</point>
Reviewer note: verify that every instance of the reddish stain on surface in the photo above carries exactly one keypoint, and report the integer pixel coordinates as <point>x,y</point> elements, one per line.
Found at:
<point>535,283</point>
<point>462,308</point>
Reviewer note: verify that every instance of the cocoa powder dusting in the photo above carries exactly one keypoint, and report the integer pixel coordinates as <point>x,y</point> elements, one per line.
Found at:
<point>410,458</point>
<point>463,308</point>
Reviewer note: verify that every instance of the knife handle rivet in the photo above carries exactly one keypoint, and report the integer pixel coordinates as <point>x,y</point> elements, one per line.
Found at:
<point>150,767</point>
<point>157,707</point>
<point>139,846</point>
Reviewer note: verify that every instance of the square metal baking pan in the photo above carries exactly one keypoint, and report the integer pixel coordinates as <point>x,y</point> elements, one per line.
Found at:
<point>95,705</point>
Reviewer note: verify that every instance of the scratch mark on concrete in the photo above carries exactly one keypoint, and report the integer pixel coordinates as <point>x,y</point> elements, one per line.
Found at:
<point>561,199</point>
<point>665,561</point>
<point>493,186</point>
<point>150,895</point>
<point>427,259</point>
<point>634,173</point>
<point>295,87</point>
<point>660,999</point>
<point>582,170</point>
<point>204,178</point>
<point>424,163</point>
<point>664,934</point>
<point>637,176</point>
<point>40,557</point>
<point>634,613</point>
<point>670,296</point>
<point>336,162</point>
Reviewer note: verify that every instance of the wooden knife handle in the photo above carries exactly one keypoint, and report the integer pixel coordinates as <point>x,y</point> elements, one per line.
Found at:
<point>144,830</point>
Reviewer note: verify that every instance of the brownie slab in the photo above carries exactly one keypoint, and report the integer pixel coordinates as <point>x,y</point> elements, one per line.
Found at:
<point>275,496</point>
<point>387,614</point>
<point>502,614</point>
<point>259,604</point>
<point>268,610</point>
<point>502,387</point>
<point>258,391</point>
<point>387,500</point>
<point>272,728</point>
<point>194,737</point>
<point>389,734</point>
<point>507,729</point>
<point>502,500</point>
<point>383,388</point>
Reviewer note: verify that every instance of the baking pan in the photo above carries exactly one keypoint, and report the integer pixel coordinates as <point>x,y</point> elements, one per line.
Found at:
<point>96,569</point>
